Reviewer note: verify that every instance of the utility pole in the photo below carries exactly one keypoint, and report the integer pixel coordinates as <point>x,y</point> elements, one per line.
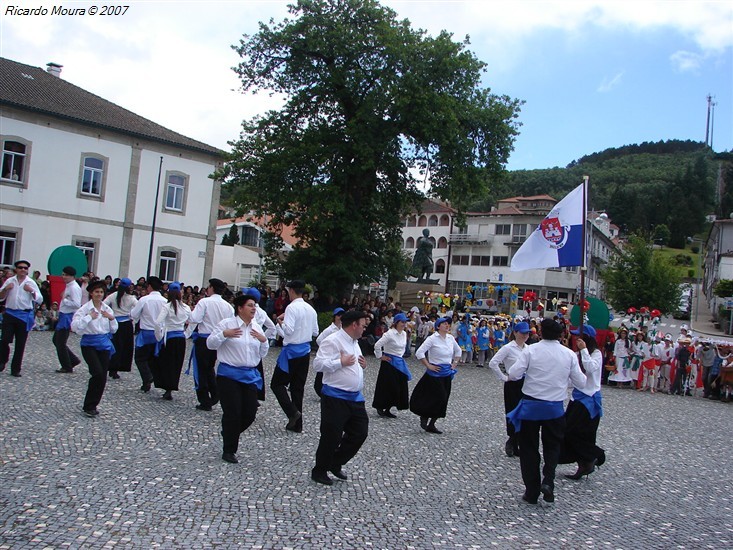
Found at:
<point>712,122</point>
<point>707,122</point>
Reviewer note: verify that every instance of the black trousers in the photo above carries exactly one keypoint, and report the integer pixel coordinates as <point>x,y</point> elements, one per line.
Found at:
<point>295,380</point>
<point>98,362</point>
<point>67,358</point>
<point>318,384</point>
<point>124,343</point>
<point>579,444</point>
<point>553,432</point>
<point>207,394</point>
<point>344,428</point>
<point>167,371</point>
<point>512,396</point>
<point>145,360</point>
<point>239,409</point>
<point>13,329</point>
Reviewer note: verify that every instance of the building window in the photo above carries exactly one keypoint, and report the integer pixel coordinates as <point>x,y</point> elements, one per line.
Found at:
<point>502,229</point>
<point>500,260</point>
<point>15,161</point>
<point>519,230</point>
<point>410,243</point>
<point>93,176</point>
<point>444,220</point>
<point>89,247</point>
<point>442,242</point>
<point>480,260</point>
<point>175,192</point>
<point>440,266</point>
<point>168,266</point>
<point>422,221</point>
<point>433,221</point>
<point>411,221</point>
<point>250,237</point>
<point>460,259</point>
<point>8,245</point>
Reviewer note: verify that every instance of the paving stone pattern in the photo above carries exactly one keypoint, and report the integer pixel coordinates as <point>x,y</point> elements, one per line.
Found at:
<point>147,473</point>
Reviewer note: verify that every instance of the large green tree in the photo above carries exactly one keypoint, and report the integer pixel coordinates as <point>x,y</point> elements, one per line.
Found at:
<point>637,277</point>
<point>374,112</point>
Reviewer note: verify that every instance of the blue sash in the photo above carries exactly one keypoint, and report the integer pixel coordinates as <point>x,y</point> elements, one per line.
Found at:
<point>535,409</point>
<point>292,351</point>
<point>243,375</point>
<point>64,322</point>
<point>330,391</point>
<point>145,338</point>
<point>593,402</point>
<point>123,318</point>
<point>26,315</point>
<point>445,370</point>
<point>174,334</point>
<point>192,358</point>
<point>400,365</point>
<point>100,342</point>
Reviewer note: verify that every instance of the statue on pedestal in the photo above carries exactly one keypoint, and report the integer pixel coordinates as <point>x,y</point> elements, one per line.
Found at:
<point>422,262</point>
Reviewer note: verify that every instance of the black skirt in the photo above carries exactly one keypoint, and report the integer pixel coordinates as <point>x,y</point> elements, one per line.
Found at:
<point>580,435</point>
<point>391,388</point>
<point>124,343</point>
<point>430,396</point>
<point>167,369</point>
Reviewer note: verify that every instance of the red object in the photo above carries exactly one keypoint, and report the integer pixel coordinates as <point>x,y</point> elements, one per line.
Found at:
<point>529,296</point>
<point>631,310</point>
<point>656,313</point>
<point>586,305</point>
<point>57,287</point>
<point>644,309</point>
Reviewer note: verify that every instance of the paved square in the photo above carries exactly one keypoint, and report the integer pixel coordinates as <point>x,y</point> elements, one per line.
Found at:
<point>148,473</point>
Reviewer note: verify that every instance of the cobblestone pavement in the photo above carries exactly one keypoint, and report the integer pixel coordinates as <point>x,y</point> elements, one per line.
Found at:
<point>147,473</point>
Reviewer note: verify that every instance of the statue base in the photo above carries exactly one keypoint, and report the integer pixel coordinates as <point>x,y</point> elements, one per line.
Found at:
<point>406,293</point>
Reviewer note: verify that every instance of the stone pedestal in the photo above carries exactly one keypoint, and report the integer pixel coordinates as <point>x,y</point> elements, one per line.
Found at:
<point>406,293</point>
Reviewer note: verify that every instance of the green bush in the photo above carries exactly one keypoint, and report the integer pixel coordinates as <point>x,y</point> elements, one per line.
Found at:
<point>325,318</point>
<point>695,249</point>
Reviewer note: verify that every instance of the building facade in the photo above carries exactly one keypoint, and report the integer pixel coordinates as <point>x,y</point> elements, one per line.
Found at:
<point>79,170</point>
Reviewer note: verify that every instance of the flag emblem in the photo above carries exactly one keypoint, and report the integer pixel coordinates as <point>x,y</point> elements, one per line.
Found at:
<point>554,232</point>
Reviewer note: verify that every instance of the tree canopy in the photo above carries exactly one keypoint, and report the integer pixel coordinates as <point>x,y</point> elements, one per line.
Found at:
<point>373,112</point>
<point>637,277</point>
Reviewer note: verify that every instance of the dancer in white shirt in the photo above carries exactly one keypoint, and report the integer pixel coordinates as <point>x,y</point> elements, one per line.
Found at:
<point>21,294</point>
<point>335,326</point>
<point>146,312</point>
<point>122,303</point>
<point>391,389</point>
<point>169,327</point>
<point>70,302</point>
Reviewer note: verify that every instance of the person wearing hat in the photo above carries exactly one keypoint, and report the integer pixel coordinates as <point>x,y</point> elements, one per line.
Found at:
<point>122,302</point>
<point>440,354</point>
<point>146,312</point>
<point>622,350</point>
<point>682,355</point>
<point>208,313</point>
<point>464,338</point>
<point>665,355</point>
<point>169,329</point>
<point>391,389</point>
<point>21,295</point>
<point>508,356</point>
<point>344,421</point>
<point>585,410</point>
<point>335,326</point>
<point>297,326</point>
<point>70,302</point>
<point>95,323</point>
<point>263,319</point>
<point>547,368</point>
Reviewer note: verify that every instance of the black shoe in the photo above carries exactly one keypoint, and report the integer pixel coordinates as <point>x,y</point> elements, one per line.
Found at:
<point>339,473</point>
<point>65,371</point>
<point>382,412</point>
<point>230,457</point>
<point>480,366</point>
<point>424,422</point>
<point>584,469</point>
<point>114,375</point>
<point>16,374</point>
<point>168,396</point>
<point>431,429</point>
<point>601,460</point>
<point>389,414</point>
<point>529,500</point>
<point>509,447</point>
<point>548,495</point>
<point>91,413</point>
<point>321,478</point>
<point>293,421</point>
<point>214,402</point>
<point>75,363</point>
<point>145,388</point>
<point>203,407</point>
<point>2,367</point>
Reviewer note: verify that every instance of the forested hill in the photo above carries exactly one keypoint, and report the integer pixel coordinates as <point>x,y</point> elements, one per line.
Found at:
<point>641,186</point>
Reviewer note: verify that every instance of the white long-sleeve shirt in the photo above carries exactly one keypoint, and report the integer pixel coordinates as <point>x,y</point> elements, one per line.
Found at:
<point>169,320</point>
<point>18,297</point>
<point>265,322</point>
<point>127,303</point>
<point>300,323</point>
<point>508,354</point>
<point>328,361</point>
<point>547,367</point>
<point>211,311</point>
<point>244,351</point>
<point>71,300</point>
<point>328,331</point>
<point>82,322</point>
<point>391,342</point>
<point>439,350</point>
<point>593,365</point>
<point>147,310</point>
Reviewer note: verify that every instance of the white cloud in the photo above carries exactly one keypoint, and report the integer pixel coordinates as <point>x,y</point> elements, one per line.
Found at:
<point>685,62</point>
<point>607,84</point>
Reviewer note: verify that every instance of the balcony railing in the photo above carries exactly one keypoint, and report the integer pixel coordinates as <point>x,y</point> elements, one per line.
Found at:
<point>470,238</point>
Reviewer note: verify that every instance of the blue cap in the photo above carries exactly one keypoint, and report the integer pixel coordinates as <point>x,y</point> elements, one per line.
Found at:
<point>522,328</point>
<point>252,292</point>
<point>125,282</point>
<point>443,320</point>
<point>175,287</point>
<point>400,317</point>
<point>587,329</point>
<point>338,311</point>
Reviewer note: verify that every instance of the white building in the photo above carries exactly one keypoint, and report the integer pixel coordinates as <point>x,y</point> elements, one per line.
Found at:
<point>479,254</point>
<point>80,170</point>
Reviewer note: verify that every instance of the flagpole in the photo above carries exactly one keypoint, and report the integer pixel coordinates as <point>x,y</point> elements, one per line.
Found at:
<point>583,267</point>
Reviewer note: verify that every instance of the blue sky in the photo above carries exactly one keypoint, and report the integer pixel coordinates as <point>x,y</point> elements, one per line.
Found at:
<point>594,74</point>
